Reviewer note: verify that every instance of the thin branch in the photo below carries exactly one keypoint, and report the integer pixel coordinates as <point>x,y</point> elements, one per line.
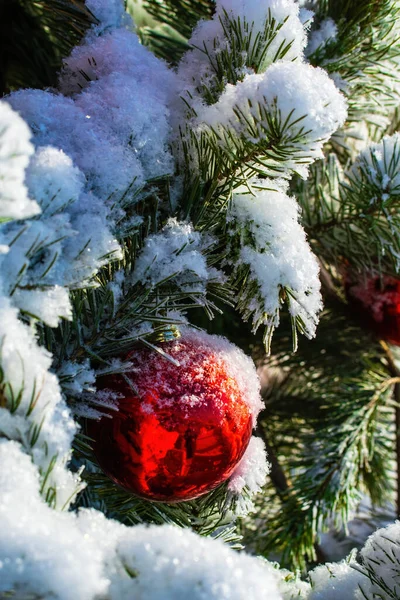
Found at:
<point>396,396</point>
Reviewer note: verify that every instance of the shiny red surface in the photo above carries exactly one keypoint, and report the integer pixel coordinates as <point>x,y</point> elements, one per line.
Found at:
<point>181,435</point>
<point>376,302</point>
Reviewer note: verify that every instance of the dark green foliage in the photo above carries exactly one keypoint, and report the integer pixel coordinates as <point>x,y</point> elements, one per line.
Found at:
<point>34,37</point>
<point>329,419</point>
<point>349,217</point>
<point>182,15</point>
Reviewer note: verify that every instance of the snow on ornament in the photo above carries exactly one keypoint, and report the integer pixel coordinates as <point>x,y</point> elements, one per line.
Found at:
<point>182,426</point>
<point>376,302</point>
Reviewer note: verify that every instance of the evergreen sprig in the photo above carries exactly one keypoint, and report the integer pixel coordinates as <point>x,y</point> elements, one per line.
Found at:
<point>364,54</point>
<point>354,217</point>
<point>35,37</point>
<point>330,415</point>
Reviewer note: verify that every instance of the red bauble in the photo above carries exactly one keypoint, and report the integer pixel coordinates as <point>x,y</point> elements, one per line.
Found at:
<point>185,429</point>
<point>376,301</point>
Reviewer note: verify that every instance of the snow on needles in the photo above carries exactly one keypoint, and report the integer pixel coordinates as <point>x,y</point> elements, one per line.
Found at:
<point>176,251</point>
<point>266,229</point>
<point>119,104</point>
<point>318,38</point>
<point>336,581</point>
<point>378,166</point>
<point>36,414</point>
<point>83,556</point>
<point>307,107</point>
<point>381,557</point>
<point>275,22</point>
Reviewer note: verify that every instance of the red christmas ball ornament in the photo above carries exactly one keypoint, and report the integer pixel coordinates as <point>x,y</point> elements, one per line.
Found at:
<point>376,301</point>
<point>180,429</point>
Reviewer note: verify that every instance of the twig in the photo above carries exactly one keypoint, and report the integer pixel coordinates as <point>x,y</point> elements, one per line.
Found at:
<point>395,372</point>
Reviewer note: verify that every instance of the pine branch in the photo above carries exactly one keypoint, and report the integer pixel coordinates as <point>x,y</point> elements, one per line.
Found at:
<point>181,15</point>
<point>35,36</point>
<point>396,398</point>
<point>352,218</point>
<point>330,420</point>
<point>165,42</point>
<point>364,54</point>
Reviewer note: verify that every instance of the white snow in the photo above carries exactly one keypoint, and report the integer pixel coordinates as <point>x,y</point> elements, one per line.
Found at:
<point>378,166</point>
<point>121,105</point>
<point>44,552</point>
<point>48,305</point>
<point>349,579</point>
<point>250,475</point>
<point>109,13</point>
<point>381,554</point>
<point>176,564</point>
<point>36,406</point>
<point>98,137</point>
<point>53,180</point>
<point>281,15</point>
<point>70,240</point>
<point>252,470</point>
<point>15,152</point>
<point>58,121</point>
<point>335,581</point>
<point>326,32</point>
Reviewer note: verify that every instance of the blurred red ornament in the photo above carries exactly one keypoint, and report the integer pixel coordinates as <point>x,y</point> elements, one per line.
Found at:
<point>376,300</point>
<point>182,433</point>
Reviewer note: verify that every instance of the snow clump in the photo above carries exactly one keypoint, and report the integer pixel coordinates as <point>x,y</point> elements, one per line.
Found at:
<point>273,244</point>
